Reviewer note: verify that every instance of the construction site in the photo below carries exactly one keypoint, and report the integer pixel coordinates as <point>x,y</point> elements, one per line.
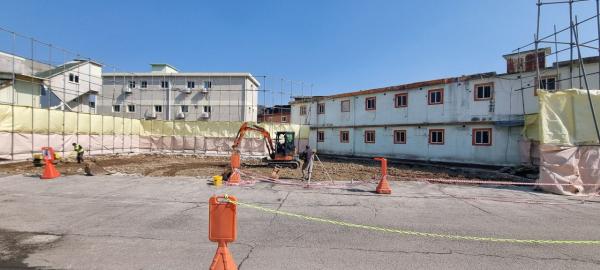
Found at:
<point>106,168</point>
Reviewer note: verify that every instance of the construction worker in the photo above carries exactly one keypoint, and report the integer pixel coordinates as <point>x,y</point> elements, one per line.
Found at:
<point>307,156</point>
<point>79,150</point>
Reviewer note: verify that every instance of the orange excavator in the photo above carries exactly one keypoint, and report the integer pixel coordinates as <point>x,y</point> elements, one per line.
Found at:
<point>281,154</point>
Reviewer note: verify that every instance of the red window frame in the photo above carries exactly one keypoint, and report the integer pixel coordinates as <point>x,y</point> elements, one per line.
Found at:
<point>396,100</point>
<point>341,136</point>
<point>400,131</point>
<point>441,90</point>
<point>490,84</point>
<point>342,105</point>
<point>374,103</point>
<point>320,136</point>
<point>473,135</point>
<point>319,111</point>
<point>365,136</point>
<point>443,131</point>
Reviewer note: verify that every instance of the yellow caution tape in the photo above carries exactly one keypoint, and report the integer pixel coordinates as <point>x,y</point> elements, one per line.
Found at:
<point>416,233</point>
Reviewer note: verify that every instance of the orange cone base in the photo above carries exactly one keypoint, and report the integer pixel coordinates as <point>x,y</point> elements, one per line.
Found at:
<point>383,187</point>
<point>50,172</point>
<point>234,179</point>
<point>223,259</point>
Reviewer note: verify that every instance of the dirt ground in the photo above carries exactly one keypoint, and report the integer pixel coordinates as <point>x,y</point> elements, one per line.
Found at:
<point>205,166</point>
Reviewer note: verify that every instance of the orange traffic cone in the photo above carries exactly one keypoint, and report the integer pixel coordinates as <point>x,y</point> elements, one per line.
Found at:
<point>223,259</point>
<point>234,178</point>
<point>50,172</point>
<point>383,187</point>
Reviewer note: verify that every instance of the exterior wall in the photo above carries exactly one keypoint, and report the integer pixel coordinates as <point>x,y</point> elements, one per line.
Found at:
<point>274,118</point>
<point>512,96</point>
<point>228,97</point>
<point>76,94</point>
<point>25,93</point>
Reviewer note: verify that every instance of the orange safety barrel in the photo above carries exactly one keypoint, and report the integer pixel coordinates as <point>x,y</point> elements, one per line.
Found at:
<point>222,219</point>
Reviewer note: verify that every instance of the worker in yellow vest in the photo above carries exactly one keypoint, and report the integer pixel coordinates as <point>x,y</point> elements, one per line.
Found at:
<point>79,150</point>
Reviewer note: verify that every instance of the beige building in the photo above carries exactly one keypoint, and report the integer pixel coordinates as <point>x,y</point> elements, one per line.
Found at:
<point>168,94</point>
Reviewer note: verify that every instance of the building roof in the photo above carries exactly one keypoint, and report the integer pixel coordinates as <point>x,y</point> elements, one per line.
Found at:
<point>164,64</point>
<point>547,50</point>
<point>398,87</point>
<point>182,74</point>
<point>64,67</point>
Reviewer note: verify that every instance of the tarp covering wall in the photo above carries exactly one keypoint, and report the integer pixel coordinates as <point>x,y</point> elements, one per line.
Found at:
<point>569,148</point>
<point>24,130</point>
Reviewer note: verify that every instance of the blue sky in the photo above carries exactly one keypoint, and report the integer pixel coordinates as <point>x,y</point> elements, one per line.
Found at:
<point>338,46</point>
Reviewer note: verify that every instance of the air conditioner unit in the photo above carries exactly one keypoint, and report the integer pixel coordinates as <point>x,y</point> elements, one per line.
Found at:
<point>187,90</point>
<point>205,115</point>
<point>180,115</point>
<point>150,115</point>
<point>204,90</point>
<point>128,90</point>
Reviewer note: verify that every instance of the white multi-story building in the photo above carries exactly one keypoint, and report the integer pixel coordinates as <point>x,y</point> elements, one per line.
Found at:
<point>167,94</point>
<point>468,119</point>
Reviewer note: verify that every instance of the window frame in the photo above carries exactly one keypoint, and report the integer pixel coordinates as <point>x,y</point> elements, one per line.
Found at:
<point>374,99</point>
<point>443,131</point>
<point>320,136</point>
<point>369,131</point>
<point>303,110</point>
<point>156,107</point>
<point>473,135</point>
<point>116,106</point>
<point>132,84</point>
<point>342,105</point>
<point>475,91</point>
<point>129,106</point>
<point>441,90</point>
<point>284,119</point>
<point>191,84</point>
<point>207,84</point>
<point>319,106</point>
<point>400,131</point>
<point>204,109</point>
<point>342,132</point>
<point>405,95</point>
<point>545,78</point>
<point>143,84</point>
<point>187,108</point>
<point>165,84</point>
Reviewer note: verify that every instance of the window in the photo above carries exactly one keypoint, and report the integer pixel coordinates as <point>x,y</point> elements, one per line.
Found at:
<point>207,84</point>
<point>369,136</point>
<point>184,108</point>
<point>92,101</point>
<point>158,108</point>
<point>436,136</point>
<point>483,91</point>
<point>548,83</point>
<point>132,84</point>
<point>73,78</point>
<point>482,136</point>
<point>320,108</point>
<point>116,108</point>
<point>284,119</point>
<point>130,108</point>
<point>435,96</point>
<point>399,136</point>
<point>164,84</point>
<point>401,100</point>
<point>206,109</point>
<point>303,110</point>
<point>345,104</point>
<point>191,84</point>
<point>320,136</point>
<point>370,103</point>
<point>344,136</point>
<point>143,84</point>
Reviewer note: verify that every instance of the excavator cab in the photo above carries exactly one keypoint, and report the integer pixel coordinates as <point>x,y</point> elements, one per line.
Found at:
<point>285,147</point>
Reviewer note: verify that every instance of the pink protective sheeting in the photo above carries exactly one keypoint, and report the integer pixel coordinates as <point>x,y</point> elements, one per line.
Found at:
<point>219,145</point>
<point>145,142</point>
<point>56,142</point>
<point>165,143</point>
<point>253,147</point>
<point>22,144</point>
<point>177,143</point>
<point>96,143</point>
<point>108,143</point>
<point>135,143</point>
<point>574,169</point>
<point>189,143</point>
<point>525,150</point>
<point>119,144</point>
<point>6,145</point>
